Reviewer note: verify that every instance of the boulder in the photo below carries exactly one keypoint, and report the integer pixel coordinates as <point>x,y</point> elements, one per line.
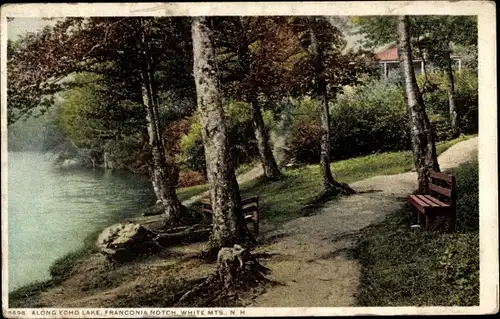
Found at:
<point>125,241</point>
<point>69,163</point>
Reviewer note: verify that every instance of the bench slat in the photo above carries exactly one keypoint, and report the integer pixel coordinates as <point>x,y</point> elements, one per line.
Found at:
<point>250,209</point>
<point>418,203</point>
<point>250,216</point>
<point>207,210</point>
<point>441,176</point>
<point>251,200</point>
<point>428,201</point>
<point>437,201</point>
<point>205,201</point>
<point>441,190</point>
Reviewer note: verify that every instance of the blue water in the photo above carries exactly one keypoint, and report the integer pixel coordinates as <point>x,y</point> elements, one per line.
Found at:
<point>51,211</point>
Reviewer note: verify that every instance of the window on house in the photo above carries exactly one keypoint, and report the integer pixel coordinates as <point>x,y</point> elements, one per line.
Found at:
<point>392,67</point>
<point>417,66</point>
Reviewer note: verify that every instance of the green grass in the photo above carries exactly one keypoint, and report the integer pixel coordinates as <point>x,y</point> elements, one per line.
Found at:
<point>188,192</point>
<point>245,168</point>
<point>402,267</point>
<point>296,194</point>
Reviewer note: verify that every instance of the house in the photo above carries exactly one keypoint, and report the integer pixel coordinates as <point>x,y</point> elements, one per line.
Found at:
<point>388,60</point>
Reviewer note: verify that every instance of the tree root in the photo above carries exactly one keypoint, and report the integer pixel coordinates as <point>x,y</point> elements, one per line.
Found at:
<point>345,189</point>
<point>337,188</point>
<point>198,232</point>
<point>229,280</point>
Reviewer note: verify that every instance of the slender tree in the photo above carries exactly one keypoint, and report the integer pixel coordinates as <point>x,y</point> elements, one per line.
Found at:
<point>162,170</point>
<point>235,36</point>
<point>422,135</point>
<point>228,222</point>
<point>330,185</point>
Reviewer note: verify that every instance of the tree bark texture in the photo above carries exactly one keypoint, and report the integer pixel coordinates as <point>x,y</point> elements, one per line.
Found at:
<point>422,135</point>
<point>229,226</point>
<point>330,185</point>
<point>271,170</point>
<point>455,130</point>
<point>161,170</point>
<point>269,165</point>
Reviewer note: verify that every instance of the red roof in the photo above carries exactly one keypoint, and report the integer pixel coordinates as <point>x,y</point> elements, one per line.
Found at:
<point>390,54</point>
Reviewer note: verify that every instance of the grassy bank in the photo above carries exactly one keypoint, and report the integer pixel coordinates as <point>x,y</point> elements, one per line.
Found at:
<point>413,268</point>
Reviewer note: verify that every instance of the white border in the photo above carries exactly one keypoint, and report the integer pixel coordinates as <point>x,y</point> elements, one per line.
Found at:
<point>488,174</point>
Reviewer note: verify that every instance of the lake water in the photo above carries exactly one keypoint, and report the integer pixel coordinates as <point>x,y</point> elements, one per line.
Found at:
<point>51,211</point>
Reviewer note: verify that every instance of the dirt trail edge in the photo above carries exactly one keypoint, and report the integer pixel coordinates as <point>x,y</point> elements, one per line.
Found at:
<point>307,254</point>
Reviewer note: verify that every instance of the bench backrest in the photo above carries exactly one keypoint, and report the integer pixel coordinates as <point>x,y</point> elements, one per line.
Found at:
<point>248,205</point>
<point>442,186</point>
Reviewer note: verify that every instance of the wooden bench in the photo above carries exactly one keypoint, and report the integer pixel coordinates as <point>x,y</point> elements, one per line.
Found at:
<point>439,203</point>
<point>250,207</point>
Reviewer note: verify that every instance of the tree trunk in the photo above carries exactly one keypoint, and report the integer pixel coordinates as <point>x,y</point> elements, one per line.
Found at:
<point>281,135</point>
<point>161,170</point>
<point>422,135</point>
<point>271,170</point>
<point>455,130</point>
<point>229,226</point>
<point>330,186</point>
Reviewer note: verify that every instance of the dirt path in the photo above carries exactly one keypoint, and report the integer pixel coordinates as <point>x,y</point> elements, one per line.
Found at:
<point>308,253</point>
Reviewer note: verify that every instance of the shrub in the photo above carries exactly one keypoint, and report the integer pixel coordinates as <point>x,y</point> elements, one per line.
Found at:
<point>192,154</point>
<point>190,178</point>
<point>369,119</point>
<point>240,132</point>
<point>305,137</point>
<point>466,99</point>
<point>372,118</point>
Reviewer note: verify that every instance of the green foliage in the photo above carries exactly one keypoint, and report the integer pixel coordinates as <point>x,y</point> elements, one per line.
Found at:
<point>372,118</point>
<point>375,110</point>
<point>377,30</point>
<point>95,118</point>
<point>241,137</point>
<point>412,268</point>
<point>305,140</point>
<point>368,119</point>
<point>466,100</point>
<point>192,152</point>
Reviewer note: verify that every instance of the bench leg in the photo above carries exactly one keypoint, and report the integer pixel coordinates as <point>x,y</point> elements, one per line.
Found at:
<point>421,219</point>
<point>428,222</point>
<point>256,227</point>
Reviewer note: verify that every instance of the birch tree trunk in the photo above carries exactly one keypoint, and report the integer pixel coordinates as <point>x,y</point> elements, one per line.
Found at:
<point>161,170</point>
<point>269,165</point>
<point>330,185</point>
<point>271,170</point>
<point>455,130</point>
<point>422,135</point>
<point>229,226</point>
